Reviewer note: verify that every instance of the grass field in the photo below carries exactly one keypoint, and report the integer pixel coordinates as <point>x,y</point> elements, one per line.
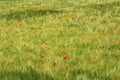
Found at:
<point>60,40</point>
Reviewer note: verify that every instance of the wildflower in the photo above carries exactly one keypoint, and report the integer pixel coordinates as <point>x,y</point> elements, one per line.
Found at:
<point>54,64</point>
<point>65,57</point>
<point>42,57</point>
<point>118,42</point>
<point>102,46</point>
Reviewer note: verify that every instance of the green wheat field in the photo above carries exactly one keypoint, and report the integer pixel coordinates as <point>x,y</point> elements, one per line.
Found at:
<point>59,39</point>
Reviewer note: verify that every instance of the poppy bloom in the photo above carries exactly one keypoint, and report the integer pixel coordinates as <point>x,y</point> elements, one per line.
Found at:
<point>65,57</point>
<point>102,46</point>
<point>42,57</point>
<point>54,63</point>
<point>118,42</point>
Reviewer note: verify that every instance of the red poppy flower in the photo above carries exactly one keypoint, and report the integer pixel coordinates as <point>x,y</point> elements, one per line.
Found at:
<point>118,42</point>
<point>42,57</point>
<point>54,63</point>
<point>102,46</point>
<point>65,57</point>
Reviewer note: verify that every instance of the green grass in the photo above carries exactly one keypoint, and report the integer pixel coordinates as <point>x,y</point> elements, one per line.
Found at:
<point>36,33</point>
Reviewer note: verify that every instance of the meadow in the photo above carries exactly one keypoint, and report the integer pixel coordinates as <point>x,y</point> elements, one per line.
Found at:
<point>60,40</point>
